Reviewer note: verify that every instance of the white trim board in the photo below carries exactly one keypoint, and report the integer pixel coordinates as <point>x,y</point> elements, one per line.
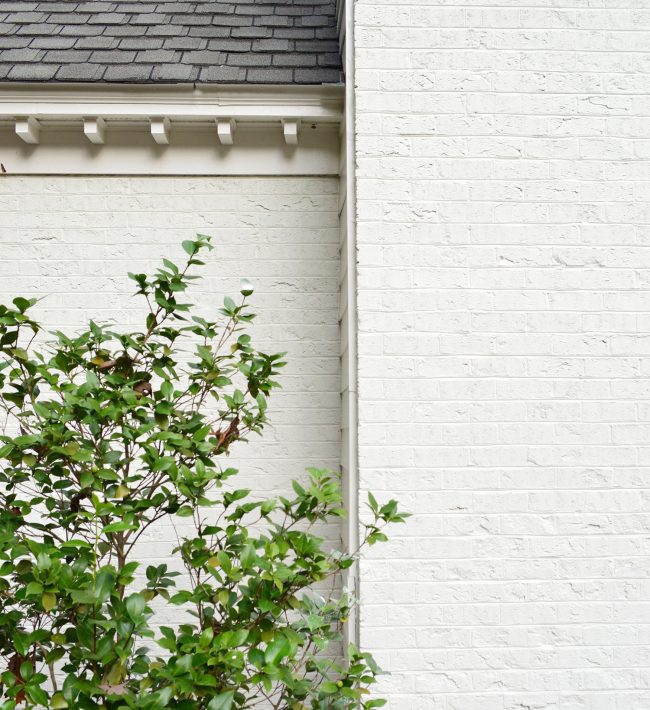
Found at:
<point>131,150</point>
<point>202,130</point>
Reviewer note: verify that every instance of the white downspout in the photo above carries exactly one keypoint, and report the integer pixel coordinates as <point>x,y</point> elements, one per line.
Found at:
<point>346,34</point>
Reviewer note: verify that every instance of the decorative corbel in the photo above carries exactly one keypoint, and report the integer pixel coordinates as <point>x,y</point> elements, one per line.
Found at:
<point>160,130</point>
<point>226,130</point>
<point>95,130</point>
<point>291,130</point>
<point>28,129</point>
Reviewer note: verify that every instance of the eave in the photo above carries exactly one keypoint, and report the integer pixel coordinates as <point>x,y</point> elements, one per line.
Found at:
<point>46,118</point>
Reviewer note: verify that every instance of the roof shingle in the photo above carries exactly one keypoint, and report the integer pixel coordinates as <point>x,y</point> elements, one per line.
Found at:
<point>166,41</point>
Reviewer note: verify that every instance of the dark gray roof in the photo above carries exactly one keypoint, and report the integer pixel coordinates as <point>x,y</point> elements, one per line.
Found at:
<point>165,41</point>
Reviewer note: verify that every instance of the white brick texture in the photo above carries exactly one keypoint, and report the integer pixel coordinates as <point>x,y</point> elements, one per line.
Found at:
<point>504,357</point>
<point>72,240</point>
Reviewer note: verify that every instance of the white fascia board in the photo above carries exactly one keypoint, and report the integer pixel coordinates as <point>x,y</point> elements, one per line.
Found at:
<point>61,102</point>
<point>170,130</point>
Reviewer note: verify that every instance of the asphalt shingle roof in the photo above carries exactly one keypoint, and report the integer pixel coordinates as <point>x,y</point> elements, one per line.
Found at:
<point>166,41</point>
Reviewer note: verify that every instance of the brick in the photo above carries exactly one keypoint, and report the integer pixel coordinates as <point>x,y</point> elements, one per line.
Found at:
<point>501,360</point>
<point>69,242</point>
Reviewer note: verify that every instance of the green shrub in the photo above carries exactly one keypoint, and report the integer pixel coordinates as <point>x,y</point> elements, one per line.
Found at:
<point>105,434</point>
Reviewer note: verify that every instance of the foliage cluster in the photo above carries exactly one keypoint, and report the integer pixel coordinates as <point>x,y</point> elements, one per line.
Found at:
<point>107,433</point>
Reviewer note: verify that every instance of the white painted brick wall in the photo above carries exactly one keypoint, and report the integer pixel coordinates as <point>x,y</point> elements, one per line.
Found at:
<point>504,290</point>
<point>72,240</point>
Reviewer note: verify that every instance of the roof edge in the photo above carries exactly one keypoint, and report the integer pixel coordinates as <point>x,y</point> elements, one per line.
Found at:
<point>58,102</point>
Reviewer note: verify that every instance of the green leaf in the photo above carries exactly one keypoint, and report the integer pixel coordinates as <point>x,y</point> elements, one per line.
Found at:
<point>372,501</point>
<point>103,584</point>
<point>171,266</point>
<point>135,605</point>
<point>276,650</point>
<point>22,304</point>
<point>222,702</point>
<point>37,694</point>
<point>26,670</point>
<point>248,556</point>
<point>129,569</point>
<point>34,589</point>
<point>206,637</point>
<point>55,655</point>
<point>190,247</point>
<point>48,600</point>
<point>58,702</point>
<point>117,527</point>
